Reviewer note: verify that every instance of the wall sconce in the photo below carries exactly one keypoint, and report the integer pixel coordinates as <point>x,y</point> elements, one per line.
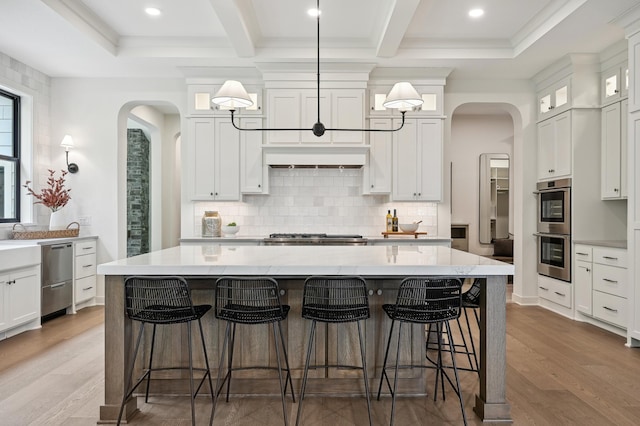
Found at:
<point>67,144</point>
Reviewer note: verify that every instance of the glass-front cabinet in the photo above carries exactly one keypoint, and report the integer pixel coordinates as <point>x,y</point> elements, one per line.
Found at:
<point>431,96</point>
<point>614,83</point>
<point>199,100</point>
<point>554,99</point>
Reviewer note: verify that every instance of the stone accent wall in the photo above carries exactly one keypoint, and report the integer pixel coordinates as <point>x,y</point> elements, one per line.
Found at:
<point>138,151</point>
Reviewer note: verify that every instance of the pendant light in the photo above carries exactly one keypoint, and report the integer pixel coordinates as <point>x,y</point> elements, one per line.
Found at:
<point>403,96</point>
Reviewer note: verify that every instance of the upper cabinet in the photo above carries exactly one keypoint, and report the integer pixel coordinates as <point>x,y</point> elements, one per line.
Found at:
<point>554,147</point>
<point>417,160</point>
<point>199,101</point>
<point>554,99</point>
<point>614,151</point>
<point>298,109</point>
<point>432,95</point>
<point>377,171</point>
<point>614,83</point>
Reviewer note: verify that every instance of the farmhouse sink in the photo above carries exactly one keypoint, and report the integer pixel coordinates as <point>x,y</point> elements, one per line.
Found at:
<point>13,257</point>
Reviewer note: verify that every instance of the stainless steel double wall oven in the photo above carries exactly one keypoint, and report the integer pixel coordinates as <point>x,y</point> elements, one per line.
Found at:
<point>554,229</point>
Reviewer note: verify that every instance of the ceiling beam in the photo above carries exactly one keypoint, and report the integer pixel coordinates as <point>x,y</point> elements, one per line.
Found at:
<point>79,15</point>
<point>238,19</point>
<point>396,26</point>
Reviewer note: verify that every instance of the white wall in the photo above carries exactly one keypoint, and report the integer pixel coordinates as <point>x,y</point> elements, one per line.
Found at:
<point>472,135</point>
<point>517,97</point>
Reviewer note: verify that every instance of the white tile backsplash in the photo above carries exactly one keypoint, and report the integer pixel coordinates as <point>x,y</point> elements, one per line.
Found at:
<point>315,201</point>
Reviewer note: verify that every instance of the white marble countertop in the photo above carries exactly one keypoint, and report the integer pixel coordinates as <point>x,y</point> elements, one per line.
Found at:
<point>370,261</point>
<point>401,239</point>
<point>46,241</point>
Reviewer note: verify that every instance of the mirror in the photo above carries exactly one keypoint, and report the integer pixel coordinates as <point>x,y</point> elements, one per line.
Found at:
<point>494,197</point>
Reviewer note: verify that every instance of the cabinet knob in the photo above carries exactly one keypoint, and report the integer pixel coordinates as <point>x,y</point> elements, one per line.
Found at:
<point>616,91</point>
<point>615,189</point>
<point>282,292</point>
<point>419,194</point>
<point>588,270</point>
<point>414,194</point>
<point>259,186</point>
<point>379,292</point>
<point>370,292</point>
<point>211,193</point>
<point>216,193</point>
<point>551,107</point>
<point>372,185</point>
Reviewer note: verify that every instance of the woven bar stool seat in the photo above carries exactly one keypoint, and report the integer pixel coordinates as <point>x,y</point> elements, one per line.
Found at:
<point>334,299</point>
<point>163,301</point>
<point>251,301</point>
<point>424,300</point>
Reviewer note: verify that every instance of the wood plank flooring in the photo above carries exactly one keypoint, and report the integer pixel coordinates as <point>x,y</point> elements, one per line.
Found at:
<point>559,372</point>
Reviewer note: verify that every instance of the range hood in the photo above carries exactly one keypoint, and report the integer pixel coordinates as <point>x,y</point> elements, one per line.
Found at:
<point>311,155</point>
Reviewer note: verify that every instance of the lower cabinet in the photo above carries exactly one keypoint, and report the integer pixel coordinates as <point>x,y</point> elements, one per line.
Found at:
<point>84,274</point>
<point>556,291</point>
<point>19,296</point>
<point>601,283</point>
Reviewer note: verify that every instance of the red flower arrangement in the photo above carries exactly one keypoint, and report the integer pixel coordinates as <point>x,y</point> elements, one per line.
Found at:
<point>55,196</point>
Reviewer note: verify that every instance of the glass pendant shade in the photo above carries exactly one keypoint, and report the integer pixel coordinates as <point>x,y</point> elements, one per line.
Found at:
<point>403,96</point>
<point>232,95</point>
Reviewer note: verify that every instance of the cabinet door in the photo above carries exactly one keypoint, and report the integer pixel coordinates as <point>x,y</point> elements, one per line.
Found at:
<point>310,115</point>
<point>379,167</point>
<point>430,157</point>
<point>251,164</point>
<point>24,296</point>
<point>227,161</point>
<point>562,145</point>
<point>4,301</point>
<point>624,146</point>
<point>284,112</point>
<point>405,164</point>
<point>610,177</point>
<point>201,141</point>
<point>546,136</point>
<point>347,112</point>
<point>584,285</point>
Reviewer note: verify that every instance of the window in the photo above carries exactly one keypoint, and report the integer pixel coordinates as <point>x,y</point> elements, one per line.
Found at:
<point>9,157</point>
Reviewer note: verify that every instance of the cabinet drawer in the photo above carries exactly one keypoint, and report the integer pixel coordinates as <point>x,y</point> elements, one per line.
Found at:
<point>583,253</point>
<point>85,289</point>
<point>85,266</point>
<point>610,256</point>
<point>555,291</point>
<point>609,308</point>
<point>609,279</point>
<point>85,247</point>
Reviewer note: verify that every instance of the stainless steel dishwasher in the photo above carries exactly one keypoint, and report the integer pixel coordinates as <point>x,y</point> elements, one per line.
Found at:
<point>57,277</point>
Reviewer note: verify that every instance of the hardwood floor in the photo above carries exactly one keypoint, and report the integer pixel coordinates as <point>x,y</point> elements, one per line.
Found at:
<point>559,372</point>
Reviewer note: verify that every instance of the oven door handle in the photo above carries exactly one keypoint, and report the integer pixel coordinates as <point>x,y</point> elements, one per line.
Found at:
<point>540,234</point>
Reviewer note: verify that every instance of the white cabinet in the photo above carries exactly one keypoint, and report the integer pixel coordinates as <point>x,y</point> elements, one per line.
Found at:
<point>554,147</point>
<point>583,278</point>
<point>19,296</point>
<point>556,291</point>
<point>84,275</point>
<point>199,101</point>
<point>417,160</point>
<point>254,176</point>
<point>554,99</point>
<point>432,105</point>
<point>377,172</point>
<point>601,283</point>
<point>614,151</point>
<point>298,109</point>
<point>216,161</point>
<point>614,83</point>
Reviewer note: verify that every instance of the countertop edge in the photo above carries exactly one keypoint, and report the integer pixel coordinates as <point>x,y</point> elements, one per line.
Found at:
<point>621,244</point>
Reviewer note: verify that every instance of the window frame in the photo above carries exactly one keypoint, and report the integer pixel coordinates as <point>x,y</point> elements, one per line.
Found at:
<point>15,158</point>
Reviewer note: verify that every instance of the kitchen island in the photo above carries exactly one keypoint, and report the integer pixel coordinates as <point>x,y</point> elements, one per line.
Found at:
<point>383,267</point>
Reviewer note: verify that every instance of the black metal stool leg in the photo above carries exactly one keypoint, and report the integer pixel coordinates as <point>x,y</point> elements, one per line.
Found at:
<point>191,391</point>
<point>230,367</point>
<point>153,345</point>
<point>476,366</point>
<point>395,377</point>
<point>306,371</point>
<point>364,372</point>
<point>284,406</point>
<point>383,375</point>
<point>218,388</point>
<point>288,380</point>
<point>455,372</point>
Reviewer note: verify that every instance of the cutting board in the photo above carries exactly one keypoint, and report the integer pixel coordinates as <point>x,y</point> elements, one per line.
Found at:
<point>415,234</point>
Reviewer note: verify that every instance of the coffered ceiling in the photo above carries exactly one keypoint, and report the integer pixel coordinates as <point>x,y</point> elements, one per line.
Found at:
<point>103,38</point>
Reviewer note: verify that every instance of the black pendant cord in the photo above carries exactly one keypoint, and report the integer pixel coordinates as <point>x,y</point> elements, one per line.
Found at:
<point>318,128</point>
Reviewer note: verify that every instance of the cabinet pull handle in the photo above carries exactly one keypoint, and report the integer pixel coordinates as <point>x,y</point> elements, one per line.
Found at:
<point>559,294</point>
<point>609,258</point>
<point>610,309</point>
<point>582,254</point>
<point>57,285</point>
<point>11,282</point>
<point>544,288</point>
<point>87,248</point>
<point>610,281</point>
<point>87,266</point>
<point>87,288</point>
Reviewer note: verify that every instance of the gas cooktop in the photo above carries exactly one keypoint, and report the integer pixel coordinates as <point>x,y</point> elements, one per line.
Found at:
<point>327,239</point>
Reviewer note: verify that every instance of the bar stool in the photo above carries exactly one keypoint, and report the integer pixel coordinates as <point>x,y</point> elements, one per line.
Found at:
<point>337,299</point>
<point>251,300</point>
<point>163,301</point>
<point>470,301</point>
<point>424,300</point>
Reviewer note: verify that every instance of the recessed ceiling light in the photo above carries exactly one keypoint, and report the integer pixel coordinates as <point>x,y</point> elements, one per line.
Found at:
<point>314,12</point>
<point>153,11</point>
<point>476,13</point>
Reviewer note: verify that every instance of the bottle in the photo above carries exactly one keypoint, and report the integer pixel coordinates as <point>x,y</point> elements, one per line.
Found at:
<point>394,222</point>
<point>389,224</point>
